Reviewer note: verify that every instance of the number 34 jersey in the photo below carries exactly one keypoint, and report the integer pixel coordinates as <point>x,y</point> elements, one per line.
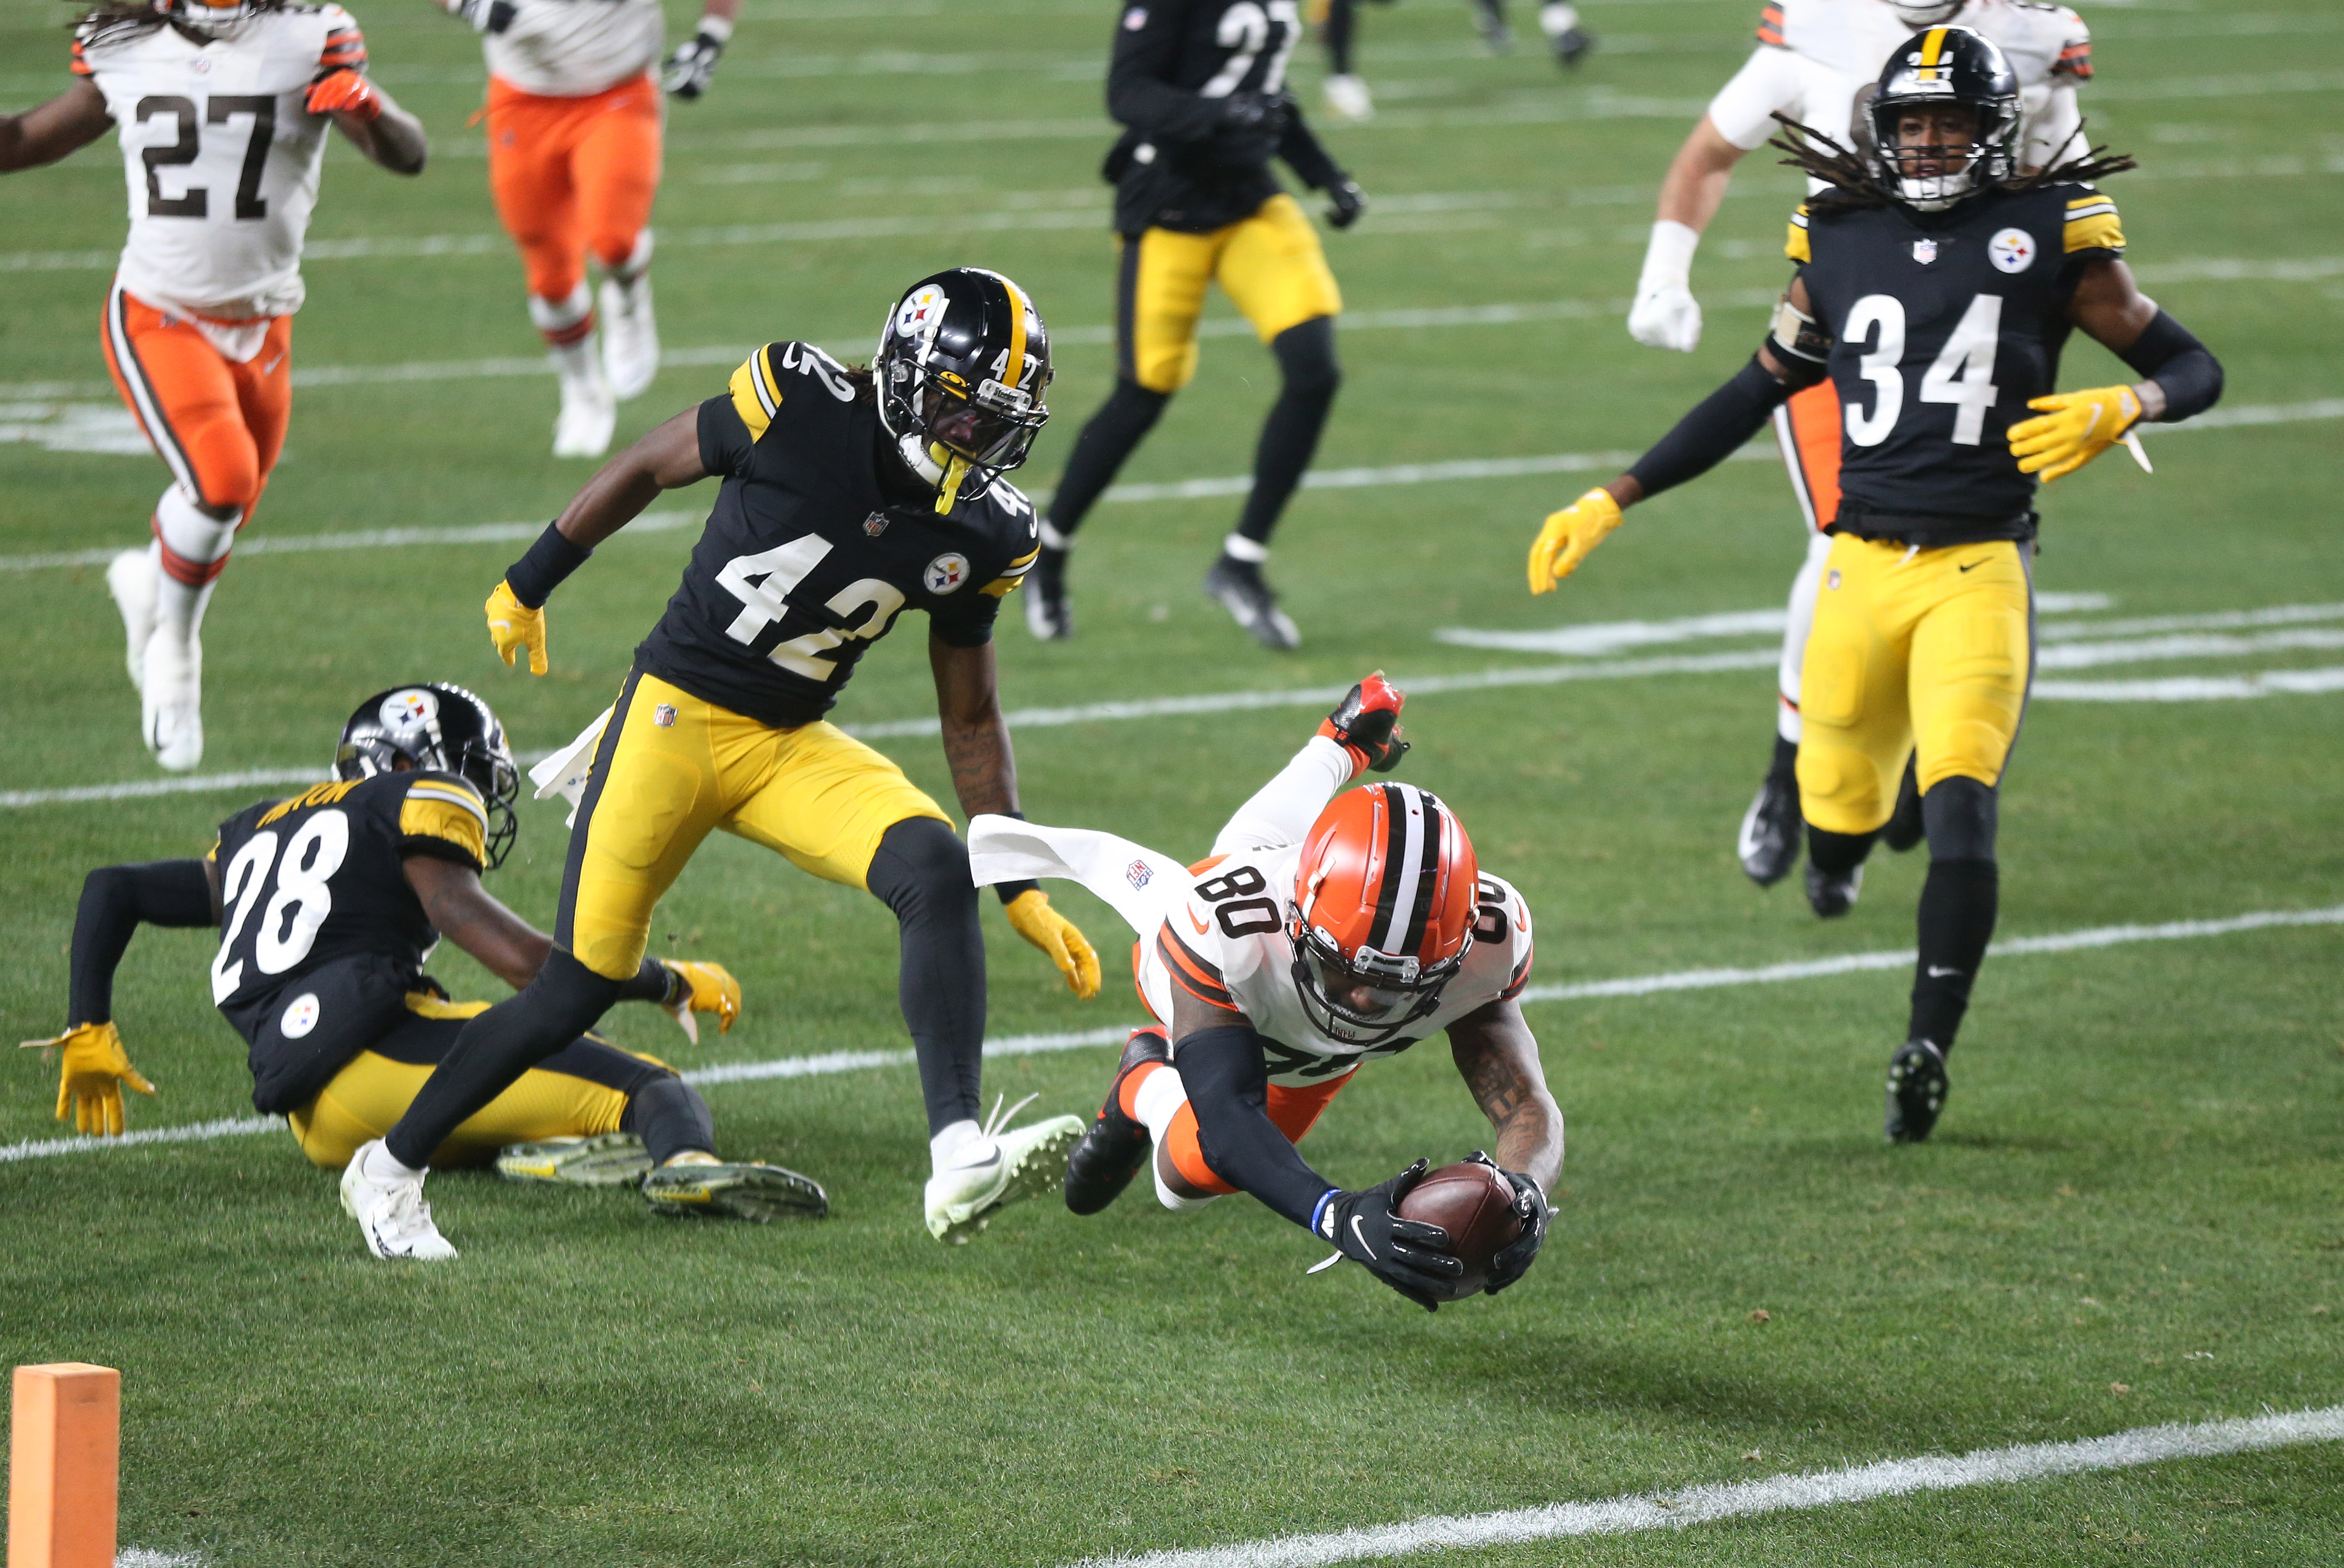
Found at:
<point>322,876</point>
<point>819,539</point>
<point>1225,943</point>
<point>1944,325</point>
<point>220,153</point>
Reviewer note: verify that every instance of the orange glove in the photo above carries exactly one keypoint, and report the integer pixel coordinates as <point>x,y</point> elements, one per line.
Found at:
<point>345,93</point>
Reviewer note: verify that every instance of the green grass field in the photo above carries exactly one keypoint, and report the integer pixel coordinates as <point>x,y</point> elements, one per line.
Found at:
<point>2130,1214</point>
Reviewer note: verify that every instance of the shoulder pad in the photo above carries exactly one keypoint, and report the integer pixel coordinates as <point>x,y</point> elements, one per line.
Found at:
<point>2092,223</point>
<point>1796,246</point>
<point>444,807</point>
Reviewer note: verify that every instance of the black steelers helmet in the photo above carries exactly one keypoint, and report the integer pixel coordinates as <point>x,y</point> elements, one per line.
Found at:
<point>444,729</point>
<point>1934,68</point>
<point>962,364</point>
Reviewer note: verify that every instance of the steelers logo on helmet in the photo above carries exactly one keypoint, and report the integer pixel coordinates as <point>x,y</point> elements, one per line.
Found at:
<point>413,711</point>
<point>961,367</point>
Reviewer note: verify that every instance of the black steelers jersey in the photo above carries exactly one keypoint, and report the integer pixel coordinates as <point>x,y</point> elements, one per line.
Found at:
<point>819,539</point>
<point>309,881</point>
<point>1173,61</point>
<point>1944,325</point>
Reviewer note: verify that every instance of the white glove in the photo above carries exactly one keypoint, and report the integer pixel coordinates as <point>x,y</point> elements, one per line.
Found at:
<point>1665,315</point>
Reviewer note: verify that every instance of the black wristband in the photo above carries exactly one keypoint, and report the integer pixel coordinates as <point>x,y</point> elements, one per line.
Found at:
<point>1714,430</point>
<point>654,982</point>
<point>535,576</point>
<point>2167,353</point>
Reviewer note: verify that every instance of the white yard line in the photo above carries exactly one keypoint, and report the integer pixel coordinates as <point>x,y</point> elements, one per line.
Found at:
<point>834,1062</point>
<point>2016,1464</point>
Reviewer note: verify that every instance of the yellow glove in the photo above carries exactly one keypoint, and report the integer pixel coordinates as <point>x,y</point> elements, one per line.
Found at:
<point>707,989</point>
<point>513,626</point>
<point>2073,429</point>
<point>1031,914</point>
<point>1568,535</point>
<point>95,1069</point>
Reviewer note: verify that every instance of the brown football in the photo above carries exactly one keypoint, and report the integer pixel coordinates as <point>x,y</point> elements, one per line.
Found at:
<point>1476,1205</point>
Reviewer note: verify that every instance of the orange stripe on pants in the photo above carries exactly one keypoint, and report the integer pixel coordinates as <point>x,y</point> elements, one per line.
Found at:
<point>219,425</point>
<point>1295,1111</point>
<point>573,175</point>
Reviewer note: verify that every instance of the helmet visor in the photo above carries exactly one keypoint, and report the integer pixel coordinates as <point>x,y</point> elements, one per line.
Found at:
<point>994,430</point>
<point>1360,996</point>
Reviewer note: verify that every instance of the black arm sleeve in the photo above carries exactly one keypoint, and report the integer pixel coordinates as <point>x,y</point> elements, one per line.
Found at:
<point>115,902</point>
<point>1139,90</point>
<point>1714,431</point>
<point>535,576</point>
<point>1304,152</point>
<point>1228,1089</point>
<point>2168,354</point>
<point>654,982</point>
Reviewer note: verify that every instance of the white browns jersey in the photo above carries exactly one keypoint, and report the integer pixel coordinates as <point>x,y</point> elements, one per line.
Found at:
<point>1815,56</point>
<point>1226,943</point>
<point>220,155</point>
<point>573,48</point>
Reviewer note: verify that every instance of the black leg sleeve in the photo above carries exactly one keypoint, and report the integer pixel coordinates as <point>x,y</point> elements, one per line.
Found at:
<point>563,1002</point>
<point>1290,437</point>
<point>1342,27</point>
<point>115,900</point>
<point>921,873</point>
<point>1114,432</point>
<point>671,1117</point>
<point>1837,853</point>
<point>1958,904</point>
<point>1228,1081</point>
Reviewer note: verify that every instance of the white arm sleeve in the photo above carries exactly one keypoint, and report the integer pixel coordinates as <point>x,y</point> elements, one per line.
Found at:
<point>1282,810</point>
<point>2052,126</point>
<point>1768,81</point>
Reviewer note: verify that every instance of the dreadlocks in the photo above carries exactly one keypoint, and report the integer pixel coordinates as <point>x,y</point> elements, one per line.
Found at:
<point>1855,185</point>
<point>119,21</point>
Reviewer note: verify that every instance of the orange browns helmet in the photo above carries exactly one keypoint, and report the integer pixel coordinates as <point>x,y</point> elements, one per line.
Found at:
<point>1382,915</point>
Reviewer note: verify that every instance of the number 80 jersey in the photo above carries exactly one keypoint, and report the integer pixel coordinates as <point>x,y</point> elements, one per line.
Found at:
<point>1225,943</point>
<point>320,878</point>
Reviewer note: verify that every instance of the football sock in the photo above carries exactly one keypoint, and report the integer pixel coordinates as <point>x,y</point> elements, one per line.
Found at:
<point>626,274</point>
<point>381,1165</point>
<point>1152,1095</point>
<point>1837,853</point>
<point>192,546</point>
<point>671,1117</point>
<point>564,323</point>
<point>1784,763</point>
<point>1114,432</point>
<point>1957,912</point>
<point>1306,357</point>
<point>1342,24</point>
<point>921,872</point>
<point>1556,18</point>
<point>496,1047</point>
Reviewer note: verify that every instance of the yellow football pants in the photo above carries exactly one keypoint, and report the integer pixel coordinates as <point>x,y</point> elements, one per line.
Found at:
<point>362,1102</point>
<point>1270,265</point>
<point>671,767</point>
<point>1930,649</point>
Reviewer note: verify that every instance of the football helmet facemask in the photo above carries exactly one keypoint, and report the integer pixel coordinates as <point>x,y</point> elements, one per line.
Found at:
<point>213,17</point>
<point>1945,67</point>
<point>1919,14</point>
<point>962,365</point>
<point>1382,915</point>
<point>443,728</point>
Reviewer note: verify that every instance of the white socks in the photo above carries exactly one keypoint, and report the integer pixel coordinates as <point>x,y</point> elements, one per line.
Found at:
<point>379,1166</point>
<point>198,540</point>
<point>1157,1100</point>
<point>1238,547</point>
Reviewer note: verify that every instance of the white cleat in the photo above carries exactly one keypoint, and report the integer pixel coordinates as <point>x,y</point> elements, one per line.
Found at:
<point>630,346</point>
<point>171,701</point>
<point>130,578</point>
<point>589,416</point>
<point>1005,1167</point>
<point>392,1215</point>
<point>1347,98</point>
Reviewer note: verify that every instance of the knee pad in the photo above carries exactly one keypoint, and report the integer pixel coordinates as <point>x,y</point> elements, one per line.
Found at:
<point>1306,356</point>
<point>921,868</point>
<point>1961,815</point>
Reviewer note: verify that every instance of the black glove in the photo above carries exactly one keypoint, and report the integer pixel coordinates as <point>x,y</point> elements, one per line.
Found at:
<point>1366,722</point>
<point>1409,1255</point>
<point>485,15</point>
<point>1512,1261</point>
<point>1345,202</point>
<point>688,71</point>
<point>1250,127</point>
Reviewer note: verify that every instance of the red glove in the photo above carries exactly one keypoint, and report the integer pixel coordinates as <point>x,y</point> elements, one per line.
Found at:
<point>1366,724</point>
<point>345,93</point>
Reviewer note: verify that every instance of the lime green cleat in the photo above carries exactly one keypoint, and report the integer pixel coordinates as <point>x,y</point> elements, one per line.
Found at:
<point>611,1159</point>
<point>1013,1164</point>
<point>734,1191</point>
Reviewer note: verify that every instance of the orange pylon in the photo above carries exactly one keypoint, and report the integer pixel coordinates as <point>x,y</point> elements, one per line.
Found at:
<point>64,1449</point>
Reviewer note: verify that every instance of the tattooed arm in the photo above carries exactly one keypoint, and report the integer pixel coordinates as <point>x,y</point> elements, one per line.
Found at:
<point>976,738</point>
<point>1498,1059</point>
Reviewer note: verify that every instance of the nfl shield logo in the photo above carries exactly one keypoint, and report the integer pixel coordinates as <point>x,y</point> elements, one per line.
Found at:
<point>1137,873</point>
<point>1925,251</point>
<point>665,716</point>
<point>875,524</point>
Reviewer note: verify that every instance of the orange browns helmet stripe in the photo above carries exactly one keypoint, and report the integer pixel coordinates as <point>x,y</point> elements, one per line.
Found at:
<point>1388,867</point>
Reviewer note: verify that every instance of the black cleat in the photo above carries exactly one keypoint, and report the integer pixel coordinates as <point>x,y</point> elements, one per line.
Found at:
<point>1832,896</point>
<point>1904,827</point>
<point>1047,614</point>
<point>1773,832</point>
<point>1240,587</point>
<point>1490,21</point>
<point>1571,46</point>
<point>1917,1086</point>
<point>1114,1148</point>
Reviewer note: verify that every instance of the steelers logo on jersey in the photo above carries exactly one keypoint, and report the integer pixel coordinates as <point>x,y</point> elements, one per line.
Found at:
<point>300,1016</point>
<point>946,571</point>
<point>2012,249</point>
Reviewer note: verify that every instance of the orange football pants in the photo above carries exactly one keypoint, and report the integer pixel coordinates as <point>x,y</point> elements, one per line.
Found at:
<point>573,175</point>
<point>219,426</point>
<point>1294,1112</point>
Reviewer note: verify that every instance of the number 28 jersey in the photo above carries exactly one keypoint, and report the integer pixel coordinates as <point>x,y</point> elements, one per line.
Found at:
<point>220,153</point>
<point>819,539</point>
<point>1225,943</point>
<point>1943,325</point>
<point>322,876</point>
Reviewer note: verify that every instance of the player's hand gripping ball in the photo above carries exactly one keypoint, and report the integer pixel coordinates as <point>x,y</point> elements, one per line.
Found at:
<point>1567,537</point>
<point>513,626</point>
<point>89,1084</point>
<point>702,987</point>
<point>1482,1213</point>
<point>1031,917</point>
<point>2072,428</point>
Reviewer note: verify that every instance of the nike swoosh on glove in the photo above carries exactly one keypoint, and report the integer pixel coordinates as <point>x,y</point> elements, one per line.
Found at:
<point>1511,1262</point>
<point>1409,1255</point>
<point>513,626</point>
<point>1366,724</point>
<point>1568,535</point>
<point>1031,917</point>
<point>94,1069</point>
<point>344,93</point>
<point>2072,428</point>
<point>703,988</point>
